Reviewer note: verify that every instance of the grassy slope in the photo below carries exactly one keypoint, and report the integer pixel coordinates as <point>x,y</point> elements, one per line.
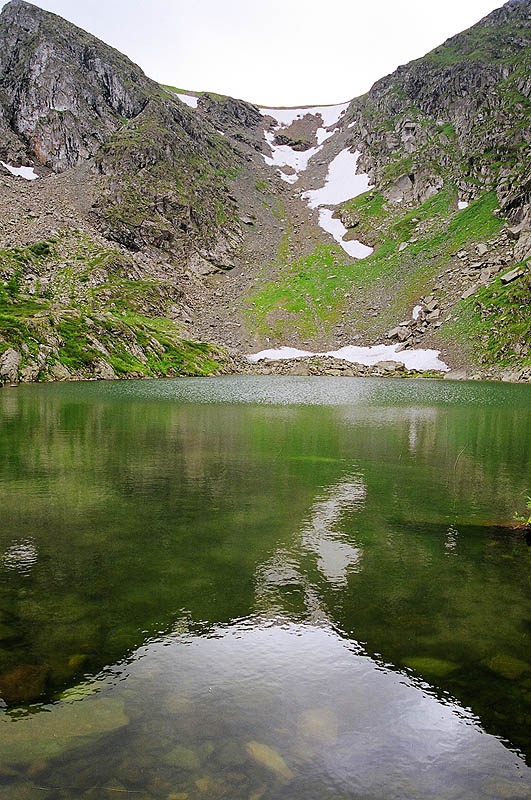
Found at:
<point>310,295</point>
<point>84,309</point>
<point>496,322</point>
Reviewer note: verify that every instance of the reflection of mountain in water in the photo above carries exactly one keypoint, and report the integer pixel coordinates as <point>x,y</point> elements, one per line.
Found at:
<point>120,517</point>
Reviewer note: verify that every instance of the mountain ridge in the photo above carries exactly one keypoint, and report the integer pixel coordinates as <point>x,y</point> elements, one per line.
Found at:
<point>189,201</point>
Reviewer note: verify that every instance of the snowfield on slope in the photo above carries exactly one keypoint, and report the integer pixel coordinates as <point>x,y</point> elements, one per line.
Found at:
<point>342,182</point>
<point>189,99</point>
<point>284,155</point>
<point>336,229</point>
<point>285,116</point>
<point>23,172</point>
<point>420,360</point>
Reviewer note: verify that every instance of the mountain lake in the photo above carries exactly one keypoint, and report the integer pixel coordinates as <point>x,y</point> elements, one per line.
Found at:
<point>264,588</point>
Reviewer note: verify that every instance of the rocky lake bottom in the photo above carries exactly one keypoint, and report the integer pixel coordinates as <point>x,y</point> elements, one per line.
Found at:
<point>264,587</point>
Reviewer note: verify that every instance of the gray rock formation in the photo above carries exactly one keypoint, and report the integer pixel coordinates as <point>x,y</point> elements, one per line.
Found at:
<point>62,91</point>
<point>459,114</point>
<point>9,364</point>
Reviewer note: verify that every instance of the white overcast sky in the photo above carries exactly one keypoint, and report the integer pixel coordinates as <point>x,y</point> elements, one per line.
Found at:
<point>280,52</point>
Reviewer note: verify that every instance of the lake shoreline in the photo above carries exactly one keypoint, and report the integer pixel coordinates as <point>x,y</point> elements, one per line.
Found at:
<point>317,366</point>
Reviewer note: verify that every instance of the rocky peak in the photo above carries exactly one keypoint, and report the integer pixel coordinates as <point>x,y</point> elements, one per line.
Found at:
<point>229,111</point>
<point>456,115</point>
<point>62,91</point>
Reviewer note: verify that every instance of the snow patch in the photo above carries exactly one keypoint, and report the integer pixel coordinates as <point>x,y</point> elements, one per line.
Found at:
<point>336,228</point>
<point>342,183</point>
<point>462,204</point>
<point>279,354</point>
<point>289,178</point>
<point>416,312</point>
<point>420,360</point>
<point>285,116</point>
<point>321,134</point>
<point>284,156</point>
<point>23,172</point>
<point>411,359</point>
<point>189,99</point>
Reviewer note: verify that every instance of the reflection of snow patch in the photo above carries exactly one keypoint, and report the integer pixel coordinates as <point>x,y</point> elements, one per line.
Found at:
<point>189,99</point>
<point>368,356</point>
<point>21,556</point>
<point>335,555</point>
<point>342,182</point>
<point>23,172</point>
<point>336,228</point>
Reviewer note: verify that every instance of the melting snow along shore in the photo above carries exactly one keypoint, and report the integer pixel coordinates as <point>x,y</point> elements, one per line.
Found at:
<point>420,360</point>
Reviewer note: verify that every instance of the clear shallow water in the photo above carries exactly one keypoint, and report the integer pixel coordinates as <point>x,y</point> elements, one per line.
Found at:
<point>252,587</point>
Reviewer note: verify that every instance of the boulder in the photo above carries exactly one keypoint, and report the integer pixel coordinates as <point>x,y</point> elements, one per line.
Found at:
<point>60,372</point>
<point>9,365</point>
<point>511,276</point>
<point>103,370</point>
<point>393,333</point>
<point>389,366</point>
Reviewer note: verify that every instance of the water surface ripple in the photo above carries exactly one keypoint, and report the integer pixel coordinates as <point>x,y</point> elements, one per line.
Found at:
<point>255,587</point>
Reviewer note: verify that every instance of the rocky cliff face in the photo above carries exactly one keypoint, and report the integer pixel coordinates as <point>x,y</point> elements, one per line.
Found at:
<point>459,114</point>
<point>62,91</point>
<point>161,172</point>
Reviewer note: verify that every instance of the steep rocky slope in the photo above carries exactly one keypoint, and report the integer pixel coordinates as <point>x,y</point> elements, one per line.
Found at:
<point>161,219</point>
<point>461,113</point>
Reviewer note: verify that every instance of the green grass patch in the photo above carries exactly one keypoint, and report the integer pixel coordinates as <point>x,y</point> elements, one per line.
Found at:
<point>304,300</point>
<point>175,90</point>
<point>76,350</point>
<point>496,322</point>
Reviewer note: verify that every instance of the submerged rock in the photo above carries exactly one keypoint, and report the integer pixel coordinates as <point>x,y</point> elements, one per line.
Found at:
<point>508,667</point>
<point>231,754</point>
<point>23,684</point>
<point>509,790</point>
<point>430,667</point>
<point>182,757</point>
<point>319,725</point>
<point>269,758</point>
<point>61,728</point>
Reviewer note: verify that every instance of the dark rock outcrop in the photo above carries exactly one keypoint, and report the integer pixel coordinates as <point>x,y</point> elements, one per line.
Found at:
<point>62,91</point>
<point>460,113</point>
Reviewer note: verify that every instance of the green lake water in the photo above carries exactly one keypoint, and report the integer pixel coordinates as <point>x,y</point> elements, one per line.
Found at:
<point>254,587</point>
